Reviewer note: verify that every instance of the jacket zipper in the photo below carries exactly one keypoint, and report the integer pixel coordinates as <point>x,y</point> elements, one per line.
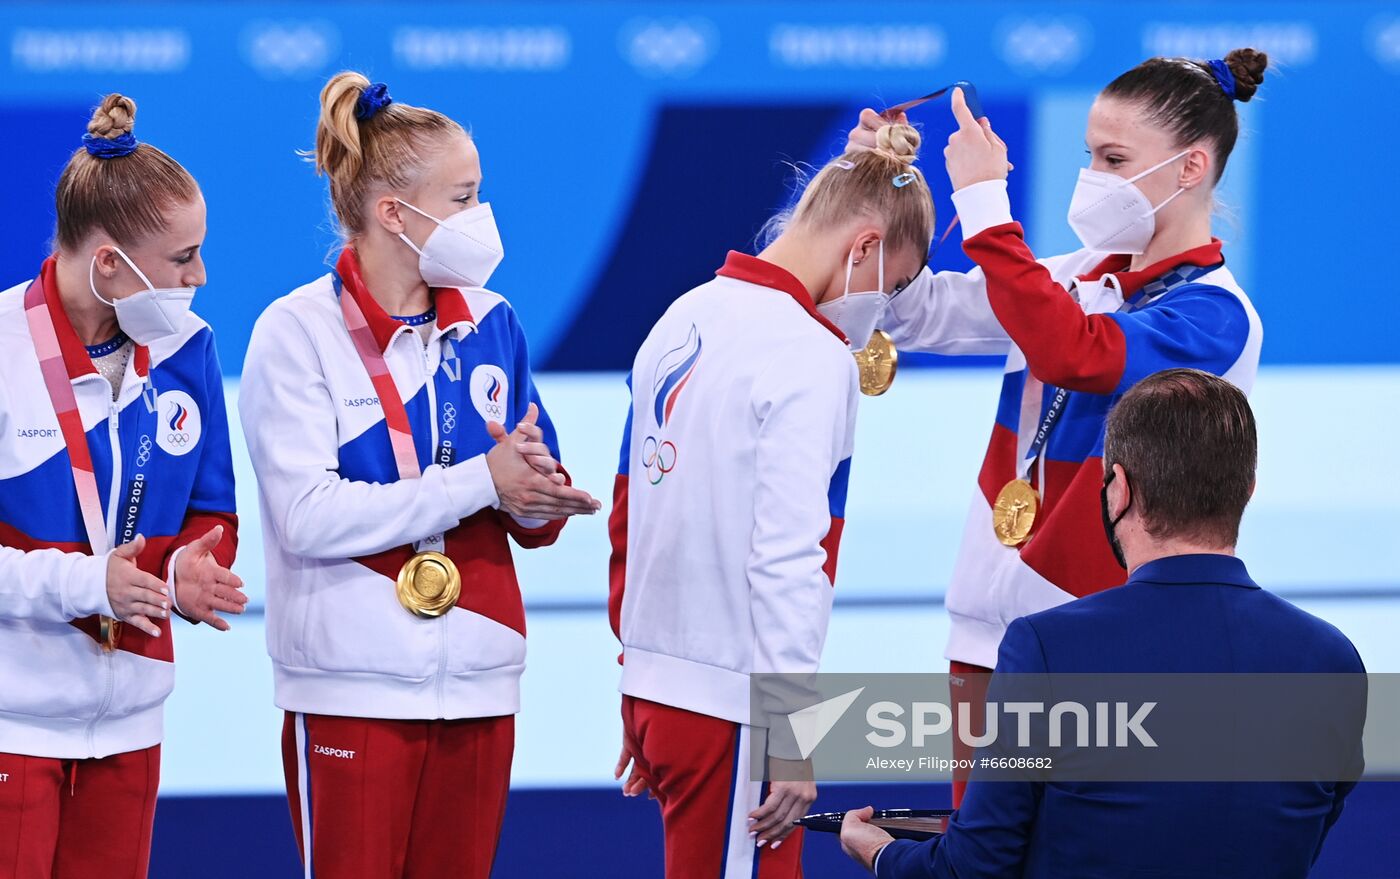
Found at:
<point>113,498</point>
<point>433,446</point>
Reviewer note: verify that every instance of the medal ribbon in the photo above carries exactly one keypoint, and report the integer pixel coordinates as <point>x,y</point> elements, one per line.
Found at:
<point>70,423</point>
<point>70,420</point>
<point>1150,292</point>
<point>974,104</point>
<point>395,415</point>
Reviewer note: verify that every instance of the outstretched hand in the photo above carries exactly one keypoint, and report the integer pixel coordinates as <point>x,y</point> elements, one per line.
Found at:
<point>203,587</point>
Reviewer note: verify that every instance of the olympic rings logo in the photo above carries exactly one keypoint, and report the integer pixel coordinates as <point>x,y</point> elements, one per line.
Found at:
<point>143,451</point>
<point>658,458</point>
<point>177,439</point>
<point>449,417</point>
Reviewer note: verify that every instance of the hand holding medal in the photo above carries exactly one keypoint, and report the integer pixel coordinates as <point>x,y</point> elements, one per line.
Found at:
<point>878,359</point>
<point>203,587</point>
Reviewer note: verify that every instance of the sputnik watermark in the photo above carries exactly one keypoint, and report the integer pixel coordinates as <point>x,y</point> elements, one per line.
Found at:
<point>931,719</point>
<point>1074,727</point>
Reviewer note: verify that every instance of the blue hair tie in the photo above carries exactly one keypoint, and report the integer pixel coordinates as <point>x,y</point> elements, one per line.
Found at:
<point>111,148</point>
<point>373,99</point>
<point>1223,76</point>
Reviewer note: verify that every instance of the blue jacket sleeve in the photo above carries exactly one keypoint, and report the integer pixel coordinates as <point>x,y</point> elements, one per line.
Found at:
<point>212,495</point>
<point>989,835</point>
<point>1358,759</point>
<point>1199,326</point>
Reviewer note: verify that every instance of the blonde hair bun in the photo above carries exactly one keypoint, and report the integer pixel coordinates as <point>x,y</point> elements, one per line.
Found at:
<point>115,116</point>
<point>898,142</point>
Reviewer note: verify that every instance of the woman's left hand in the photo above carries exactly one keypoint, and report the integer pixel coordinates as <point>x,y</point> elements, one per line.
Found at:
<point>203,587</point>
<point>974,153</point>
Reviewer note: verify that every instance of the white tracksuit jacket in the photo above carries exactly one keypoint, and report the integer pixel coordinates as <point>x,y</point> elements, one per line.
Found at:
<point>339,524</point>
<point>731,490</point>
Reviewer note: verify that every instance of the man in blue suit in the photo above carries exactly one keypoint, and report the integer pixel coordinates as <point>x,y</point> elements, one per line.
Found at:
<point>1179,462</point>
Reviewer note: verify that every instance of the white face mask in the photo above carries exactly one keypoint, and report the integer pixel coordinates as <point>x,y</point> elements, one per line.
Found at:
<point>150,314</point>
<point>857,314</point>
<point>1111,215</point>
<point>462,251</point>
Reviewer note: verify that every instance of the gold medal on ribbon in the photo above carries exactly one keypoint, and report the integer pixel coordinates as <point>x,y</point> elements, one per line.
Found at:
<point>1013,514</point>
<point>107,631</point>
<point>877,362</point>
<point>429,584</point>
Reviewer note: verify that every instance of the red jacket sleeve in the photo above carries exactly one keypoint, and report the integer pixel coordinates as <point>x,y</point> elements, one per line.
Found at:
<point>1063,346</point>
<point>617,527</point>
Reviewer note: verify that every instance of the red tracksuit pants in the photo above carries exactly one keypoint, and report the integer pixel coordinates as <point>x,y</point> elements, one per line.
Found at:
<point>698,768</point>
<point>397,799</point>
<point>967,684</point>
<point>77,819</point>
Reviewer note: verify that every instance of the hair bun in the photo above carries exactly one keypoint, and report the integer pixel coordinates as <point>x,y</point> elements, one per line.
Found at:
<point>898,142</point>
<point>114,117</point>
<point>1248,66</point>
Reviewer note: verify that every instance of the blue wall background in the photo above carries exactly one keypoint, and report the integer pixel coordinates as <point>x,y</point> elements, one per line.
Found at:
<point>626,147</point>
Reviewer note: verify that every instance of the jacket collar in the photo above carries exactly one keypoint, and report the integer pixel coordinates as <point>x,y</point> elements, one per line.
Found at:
<point>752,270</point>
<point>1131,282</point>
<point>1202,568</point>
<point>75,356</point>
<point>451,305</point>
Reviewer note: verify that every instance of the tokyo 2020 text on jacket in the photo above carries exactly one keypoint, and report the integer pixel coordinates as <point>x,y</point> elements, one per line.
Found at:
<point>1061,323</point>
<point>161,461</point>
<point>339,523</point>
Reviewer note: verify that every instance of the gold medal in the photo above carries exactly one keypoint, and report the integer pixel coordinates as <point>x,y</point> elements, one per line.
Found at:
<point>877,362</point>
<point>429,584</point>
<point>107,631</point>
<point>1013,515</point>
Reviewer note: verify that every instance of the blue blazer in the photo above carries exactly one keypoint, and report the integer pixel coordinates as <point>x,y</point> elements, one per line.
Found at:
<point>1183,614</point>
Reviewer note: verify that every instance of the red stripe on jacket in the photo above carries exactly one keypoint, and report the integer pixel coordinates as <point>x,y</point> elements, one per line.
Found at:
<point>831,543</point>
<point>152,560</point>
<point>617,561</point>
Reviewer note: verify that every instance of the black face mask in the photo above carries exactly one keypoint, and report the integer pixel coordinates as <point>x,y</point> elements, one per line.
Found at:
<point>1110,524</point>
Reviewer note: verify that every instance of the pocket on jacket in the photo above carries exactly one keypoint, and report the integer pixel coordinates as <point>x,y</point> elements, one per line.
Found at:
<point>354,623</point>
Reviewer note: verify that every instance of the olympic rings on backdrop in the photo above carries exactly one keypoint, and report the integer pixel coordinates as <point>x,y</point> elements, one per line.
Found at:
<point>658,457</point>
